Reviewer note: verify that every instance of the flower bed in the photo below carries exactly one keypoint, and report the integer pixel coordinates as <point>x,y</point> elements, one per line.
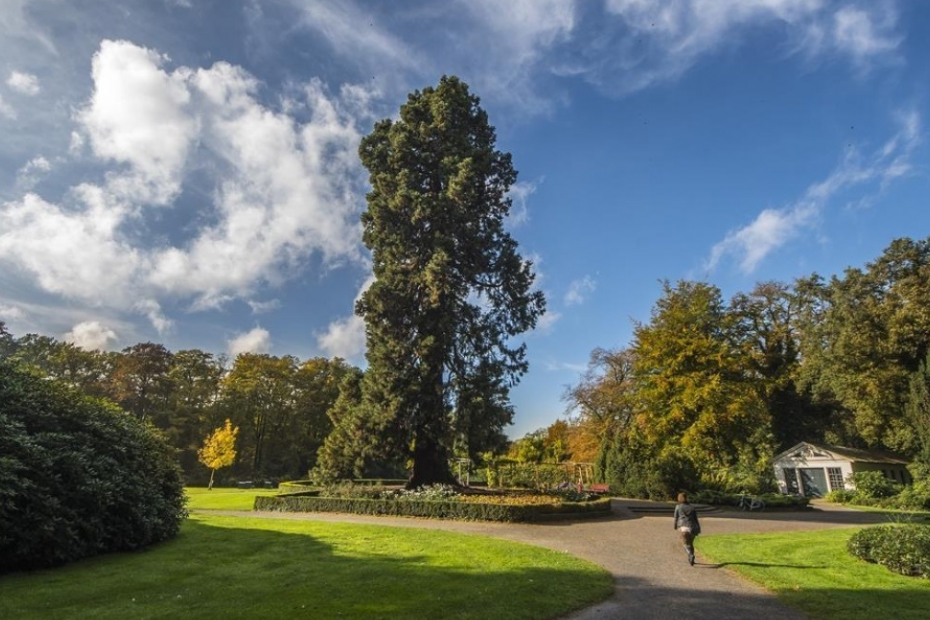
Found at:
<point>440,502</point>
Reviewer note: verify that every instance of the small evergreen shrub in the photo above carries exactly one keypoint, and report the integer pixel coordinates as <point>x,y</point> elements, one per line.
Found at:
<point>78,476</point>
<point>903,549</point>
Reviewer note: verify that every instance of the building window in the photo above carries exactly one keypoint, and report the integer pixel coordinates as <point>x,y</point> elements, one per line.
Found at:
<point>836,478</point>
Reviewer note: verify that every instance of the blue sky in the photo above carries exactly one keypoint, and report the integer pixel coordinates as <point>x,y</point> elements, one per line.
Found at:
<point>186,172</point>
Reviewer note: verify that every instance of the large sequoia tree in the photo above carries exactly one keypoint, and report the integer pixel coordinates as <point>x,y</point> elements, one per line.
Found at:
<point>451,291</point>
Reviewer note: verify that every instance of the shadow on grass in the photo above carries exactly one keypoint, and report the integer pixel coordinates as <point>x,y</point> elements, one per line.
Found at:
<point>216,571</point>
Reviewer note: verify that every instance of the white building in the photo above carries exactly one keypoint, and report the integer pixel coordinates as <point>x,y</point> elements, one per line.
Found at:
<point>815,470</point>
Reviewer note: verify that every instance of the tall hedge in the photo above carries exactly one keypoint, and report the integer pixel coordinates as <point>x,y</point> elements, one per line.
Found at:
<point>78,476</point>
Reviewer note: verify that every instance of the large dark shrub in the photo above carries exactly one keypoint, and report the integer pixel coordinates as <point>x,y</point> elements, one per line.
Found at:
<point>634,473</point>
<point>78,476</point>
<point>904,549</point>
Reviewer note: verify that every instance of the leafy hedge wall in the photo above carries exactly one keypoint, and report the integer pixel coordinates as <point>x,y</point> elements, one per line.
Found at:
<point>903,549</point>
<point>78,476</point>
<point>439,509</point>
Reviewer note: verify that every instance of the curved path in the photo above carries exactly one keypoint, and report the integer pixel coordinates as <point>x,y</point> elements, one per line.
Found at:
<point>639,547</point>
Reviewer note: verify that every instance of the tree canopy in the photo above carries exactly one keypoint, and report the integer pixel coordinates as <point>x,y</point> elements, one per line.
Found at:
<point>451,292</point>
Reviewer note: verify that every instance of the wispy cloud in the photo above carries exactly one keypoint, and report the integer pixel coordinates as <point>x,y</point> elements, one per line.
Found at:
<point>641,43</point>
<point>260,307</point>
<point>773,228</point>
<point>6,110</point>
<point>24,83</point>
<point>579,290</point>
<point>32,172</point>
<point>519,195</point>
<point>546,322</point>
<point>555,366</point>
<point>8,313</point>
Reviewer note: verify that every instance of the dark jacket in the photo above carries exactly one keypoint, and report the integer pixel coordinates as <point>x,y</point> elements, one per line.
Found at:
<point>685,514</point>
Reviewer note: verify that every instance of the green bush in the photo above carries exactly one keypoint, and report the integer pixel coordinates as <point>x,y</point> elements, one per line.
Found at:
<point>632,473</point>
<point>903,549</point>
<point>874,485</point>
<point>841,496</point>
<point>914,496</point>
<point>78,476</point>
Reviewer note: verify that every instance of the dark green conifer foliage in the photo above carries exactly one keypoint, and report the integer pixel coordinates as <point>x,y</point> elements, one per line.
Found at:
<point>451,291</point>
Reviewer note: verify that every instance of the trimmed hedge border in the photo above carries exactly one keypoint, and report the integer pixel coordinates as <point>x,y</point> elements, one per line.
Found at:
<point>433,509</point>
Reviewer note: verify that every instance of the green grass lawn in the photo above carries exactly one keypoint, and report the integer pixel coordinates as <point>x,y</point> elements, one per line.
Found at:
<point>229,567</point>
<point>199,498</point>
<point>813,572</point>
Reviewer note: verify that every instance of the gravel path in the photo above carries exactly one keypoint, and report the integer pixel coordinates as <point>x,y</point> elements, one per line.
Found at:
<point>639,547</point>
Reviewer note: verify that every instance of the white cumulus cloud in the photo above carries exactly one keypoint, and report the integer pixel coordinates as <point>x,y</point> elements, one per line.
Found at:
<point>283,189</point>
<point>257,340</point>
<point>345,337</point>
<point>139,115</point>
<point>91,336</point>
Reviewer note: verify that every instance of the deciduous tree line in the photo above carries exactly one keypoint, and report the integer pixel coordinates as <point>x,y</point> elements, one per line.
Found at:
<point>709,390</point>
<point>280,404</point>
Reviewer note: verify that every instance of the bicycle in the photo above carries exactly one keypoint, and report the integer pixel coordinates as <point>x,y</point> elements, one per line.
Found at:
<point>750,503</point>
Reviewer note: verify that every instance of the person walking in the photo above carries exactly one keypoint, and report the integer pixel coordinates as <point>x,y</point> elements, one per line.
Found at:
<point>687,524</point>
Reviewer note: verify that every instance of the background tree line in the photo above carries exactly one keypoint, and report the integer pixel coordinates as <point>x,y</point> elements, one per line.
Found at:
<point>704,395</point>
<point>708,390</point>
<point>280,404</point>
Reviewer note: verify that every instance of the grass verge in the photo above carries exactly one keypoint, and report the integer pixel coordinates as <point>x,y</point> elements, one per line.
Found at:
<point>199,498</point>
<point>265,568</point>
<point>813,572</point>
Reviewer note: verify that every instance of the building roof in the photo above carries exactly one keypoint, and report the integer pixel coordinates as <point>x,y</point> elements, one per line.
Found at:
<point>854,455</point>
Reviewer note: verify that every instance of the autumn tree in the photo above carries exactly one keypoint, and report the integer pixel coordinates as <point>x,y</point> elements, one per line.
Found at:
<point>219,449</point>
<point>602,403</point>
<point>451,292</point>
<point>694,397</point>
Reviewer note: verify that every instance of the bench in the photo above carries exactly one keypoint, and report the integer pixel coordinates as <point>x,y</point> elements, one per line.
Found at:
<point>599,488</point>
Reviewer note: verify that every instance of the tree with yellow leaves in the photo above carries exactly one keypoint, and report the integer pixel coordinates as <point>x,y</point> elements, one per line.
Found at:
<point>219,449</point>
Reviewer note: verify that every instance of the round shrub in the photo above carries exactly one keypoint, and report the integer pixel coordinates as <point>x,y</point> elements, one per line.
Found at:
<point>78,476</point>
<point>903,549</point>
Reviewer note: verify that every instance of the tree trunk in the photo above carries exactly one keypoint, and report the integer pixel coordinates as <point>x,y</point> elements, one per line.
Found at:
<point>430,464</point>
<point>210,486</point>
